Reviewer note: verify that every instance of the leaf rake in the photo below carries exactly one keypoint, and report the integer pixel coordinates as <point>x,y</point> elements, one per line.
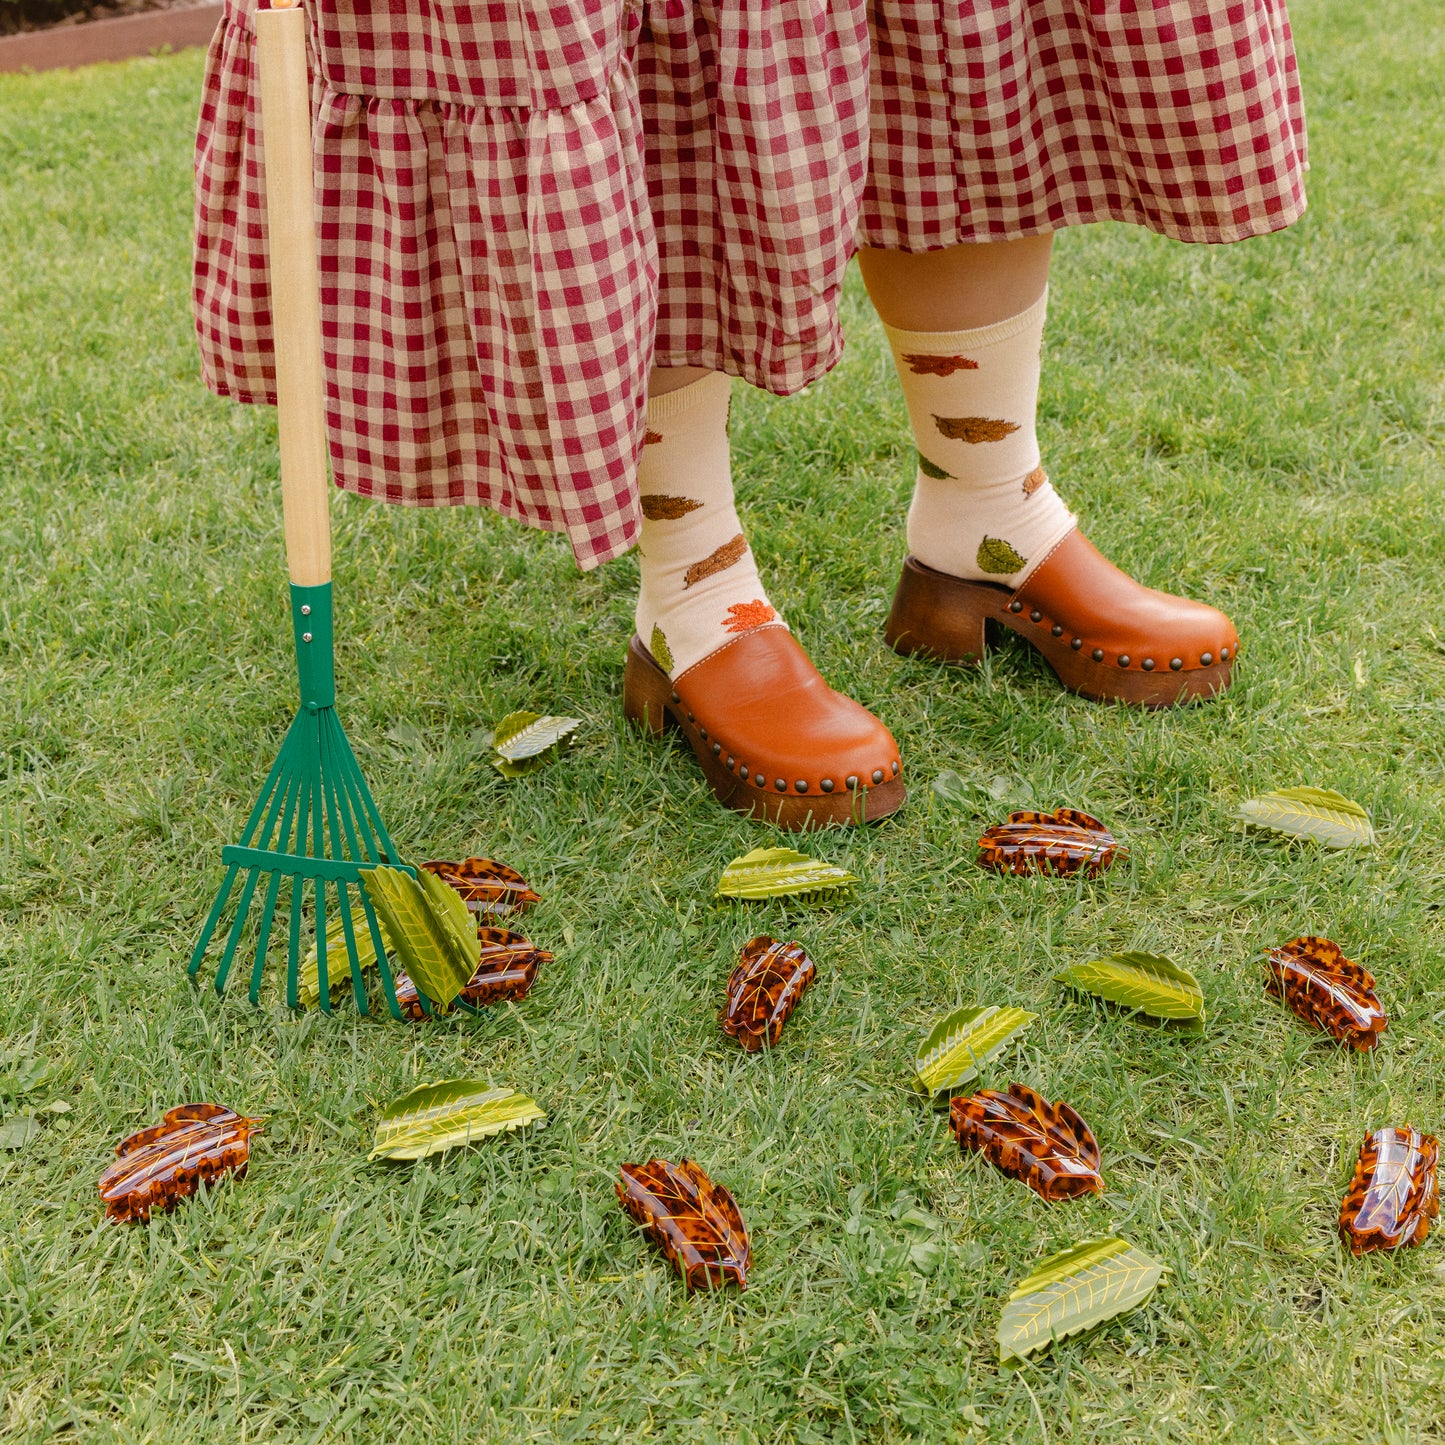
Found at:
<point>315,819</point>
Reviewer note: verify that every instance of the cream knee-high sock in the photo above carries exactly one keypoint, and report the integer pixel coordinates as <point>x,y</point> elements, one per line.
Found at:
<point>982,508</point>
<point>700,585</point>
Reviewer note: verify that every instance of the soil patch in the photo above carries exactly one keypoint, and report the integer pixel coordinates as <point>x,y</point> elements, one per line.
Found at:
<point>19,16</point>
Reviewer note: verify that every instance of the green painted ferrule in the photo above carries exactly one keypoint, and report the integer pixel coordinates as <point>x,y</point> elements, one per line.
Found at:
<point>315,649</point>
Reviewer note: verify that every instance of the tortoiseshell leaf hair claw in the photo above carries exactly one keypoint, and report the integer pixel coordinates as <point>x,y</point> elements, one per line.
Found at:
<point>194,1144</point>
<point>1065,841</point>
<point>1315,979</point>
<point>486,885</point>
<point>1047,1146</point>
<point>763,990</point>
<point>1395,1192</point>
<point>695,1222</point>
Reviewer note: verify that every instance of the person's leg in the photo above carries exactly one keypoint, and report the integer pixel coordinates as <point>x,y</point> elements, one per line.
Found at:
<point>711,655</point>
<point>989,538</point>
<point>700,585</point>
<point>958,288</point>
<point>755,140</point>
<point>966,328</point>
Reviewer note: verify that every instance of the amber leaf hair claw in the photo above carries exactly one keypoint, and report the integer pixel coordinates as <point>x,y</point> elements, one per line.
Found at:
<point>763,990</point>
<point>1316,980</point>
<point>1047,1146</point>
<point>486,885</point>
<point>1065,841</point>
<point>506,969</point>
<point>155,1169</point>
<point>1395,1192</point>
<point>693,1221</point>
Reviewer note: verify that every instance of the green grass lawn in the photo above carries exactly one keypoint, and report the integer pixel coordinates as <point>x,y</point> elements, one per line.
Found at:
<point>1258,425</point>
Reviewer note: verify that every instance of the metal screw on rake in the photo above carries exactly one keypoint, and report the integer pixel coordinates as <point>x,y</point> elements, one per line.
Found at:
<point>315,819</point>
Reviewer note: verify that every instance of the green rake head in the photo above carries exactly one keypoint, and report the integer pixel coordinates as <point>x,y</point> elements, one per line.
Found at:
<point>315,822</point>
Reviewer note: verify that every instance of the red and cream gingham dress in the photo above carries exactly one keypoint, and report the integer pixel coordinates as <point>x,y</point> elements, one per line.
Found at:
<point>523,205</point>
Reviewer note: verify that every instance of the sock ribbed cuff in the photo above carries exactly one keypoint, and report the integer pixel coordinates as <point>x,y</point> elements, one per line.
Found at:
<point>673,404</point>
<point>932,341</point>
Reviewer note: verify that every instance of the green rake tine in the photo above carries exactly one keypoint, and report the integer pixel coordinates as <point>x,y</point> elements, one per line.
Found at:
<point>212,919</point>
<point>384,843</point>
<point>323,974</point>
<point>234,938</point>
<point>354,783</point>
<point>269,802</point>
<point>353,823</point>
<point>348,929</point>
<point>318,842</point>
<point>267,793</point>
<point>359,842</point>
<point>272,889</point>
<point>293,946</point>
<point>247,840</point>
<point>293,790</point>
<point>388,983</point>
<point>296,893</point>
<point>333,816</point>
<point>353,814</point>
<point>293,942</point>
<point>273,801</point>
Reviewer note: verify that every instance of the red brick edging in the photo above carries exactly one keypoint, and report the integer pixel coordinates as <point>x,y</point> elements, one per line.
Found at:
<point>120,38</point>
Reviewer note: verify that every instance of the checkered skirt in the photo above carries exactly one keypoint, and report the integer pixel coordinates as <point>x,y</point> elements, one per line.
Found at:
<point>503,240</point>
<point>1001,118</point>
<point>522,206</point>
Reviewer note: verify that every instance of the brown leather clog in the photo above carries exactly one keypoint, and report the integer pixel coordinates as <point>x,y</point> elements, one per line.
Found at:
<point>1105,635</point>
<point>774,740</point>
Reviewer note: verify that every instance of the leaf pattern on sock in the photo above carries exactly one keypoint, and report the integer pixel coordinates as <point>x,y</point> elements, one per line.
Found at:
<point>997,557</point>
<point>922,363</point>
<point>719,561</point>
<point>932,469</point>
<point>661,652</point>
<point>651,438</point>
<point>745,616</point>
<point>661,508</point>
<point>1034,481</point>
<point>974,429</point>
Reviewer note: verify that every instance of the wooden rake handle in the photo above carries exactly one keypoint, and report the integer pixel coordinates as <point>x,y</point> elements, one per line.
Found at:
<point>295,288</point>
